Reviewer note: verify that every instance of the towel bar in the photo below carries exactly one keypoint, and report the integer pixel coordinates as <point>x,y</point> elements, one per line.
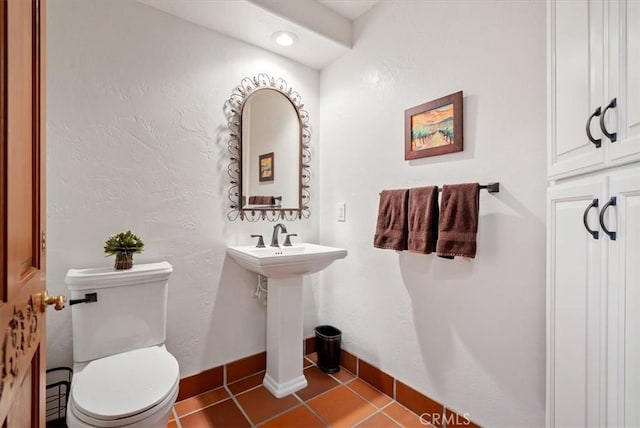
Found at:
<point>490,187</point>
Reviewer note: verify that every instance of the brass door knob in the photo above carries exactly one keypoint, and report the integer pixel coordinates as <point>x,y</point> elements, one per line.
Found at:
<point>42,300</point>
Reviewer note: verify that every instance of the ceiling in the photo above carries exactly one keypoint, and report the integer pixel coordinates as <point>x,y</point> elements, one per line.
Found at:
<point>350,9</point>
<point>323,27</point>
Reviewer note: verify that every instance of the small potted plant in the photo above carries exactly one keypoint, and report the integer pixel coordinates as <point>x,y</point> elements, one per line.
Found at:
<point>123,245</point>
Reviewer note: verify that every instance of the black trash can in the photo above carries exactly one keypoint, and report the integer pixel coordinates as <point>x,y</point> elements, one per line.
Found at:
<point>328,341</point>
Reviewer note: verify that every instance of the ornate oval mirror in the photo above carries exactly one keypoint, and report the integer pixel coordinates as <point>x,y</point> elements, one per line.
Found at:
<point>269,146</point>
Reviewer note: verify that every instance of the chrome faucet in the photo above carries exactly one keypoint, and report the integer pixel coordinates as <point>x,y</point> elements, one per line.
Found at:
<point>274,239</point>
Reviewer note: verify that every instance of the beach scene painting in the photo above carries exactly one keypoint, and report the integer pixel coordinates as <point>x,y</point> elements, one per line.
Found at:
<point>434,128</point>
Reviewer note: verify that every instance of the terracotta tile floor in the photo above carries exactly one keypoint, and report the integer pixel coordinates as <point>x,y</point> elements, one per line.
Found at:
<point>338,400</point>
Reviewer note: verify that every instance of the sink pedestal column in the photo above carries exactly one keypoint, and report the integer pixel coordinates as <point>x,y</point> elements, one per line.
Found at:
<point>284,336</point>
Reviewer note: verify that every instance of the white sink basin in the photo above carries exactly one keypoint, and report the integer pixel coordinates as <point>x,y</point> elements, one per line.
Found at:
<point>278,262</point>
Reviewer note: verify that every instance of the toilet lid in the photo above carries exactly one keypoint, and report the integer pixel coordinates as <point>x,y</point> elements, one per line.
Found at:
<point>122,385</point>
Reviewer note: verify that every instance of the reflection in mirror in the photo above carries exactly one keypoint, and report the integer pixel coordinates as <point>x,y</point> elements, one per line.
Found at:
<point>270,151</point>
<point>268,141</point>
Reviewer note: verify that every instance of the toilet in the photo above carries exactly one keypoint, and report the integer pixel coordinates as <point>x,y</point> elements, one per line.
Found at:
<point>122,373</point>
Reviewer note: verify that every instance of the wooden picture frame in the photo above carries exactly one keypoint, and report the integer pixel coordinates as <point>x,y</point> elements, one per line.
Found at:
<point>266,167</point>
<point>434,128</point>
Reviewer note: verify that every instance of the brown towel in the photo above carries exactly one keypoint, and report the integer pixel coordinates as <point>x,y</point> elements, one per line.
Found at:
<point>391,228</point>
<point>458,221</point>
<point>423,219</point>
<point>261,200</point>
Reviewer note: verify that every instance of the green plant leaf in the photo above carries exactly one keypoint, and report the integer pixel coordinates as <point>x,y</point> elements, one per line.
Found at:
<point>123,243</point>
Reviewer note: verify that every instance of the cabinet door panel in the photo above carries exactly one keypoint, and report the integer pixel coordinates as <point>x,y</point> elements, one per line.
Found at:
<point>624,301</point>
<point>574,304</point>
<point>625,79</point>
<point>576,83</point>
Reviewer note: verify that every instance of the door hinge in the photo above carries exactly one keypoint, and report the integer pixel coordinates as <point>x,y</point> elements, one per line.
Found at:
<point>44,241</point>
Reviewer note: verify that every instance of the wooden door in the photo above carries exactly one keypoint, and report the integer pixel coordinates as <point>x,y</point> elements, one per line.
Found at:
<point>22,202</point>
<point>575,317</point>
<point>575,49</point>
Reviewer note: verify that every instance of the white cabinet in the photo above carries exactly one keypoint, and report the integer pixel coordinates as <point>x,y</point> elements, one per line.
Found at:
<point>624,79</point>
<point>575,74</point>
<point>623,280</point>
<point>575,325</point>
<point>593,301</point>
<point>593,52</point>
<point>593,213</point>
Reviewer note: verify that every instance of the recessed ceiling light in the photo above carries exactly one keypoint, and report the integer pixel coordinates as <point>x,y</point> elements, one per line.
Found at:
<point>284,38</point>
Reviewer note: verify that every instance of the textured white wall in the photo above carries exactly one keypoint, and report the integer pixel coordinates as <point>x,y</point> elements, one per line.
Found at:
<point>469,334</point>
<point>134,128</point>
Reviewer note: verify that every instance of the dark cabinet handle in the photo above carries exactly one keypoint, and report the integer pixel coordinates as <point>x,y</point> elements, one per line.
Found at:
<point>612,136</point>
<point>610,202</point>
<point>595,142</point>
<point>593,204</point>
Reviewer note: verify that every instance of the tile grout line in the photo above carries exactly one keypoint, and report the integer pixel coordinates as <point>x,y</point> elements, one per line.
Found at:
<point>231,395</point>
<point>237,403</point>
<point>176,419</point>
<point>204,407</point>
<point>369,401</point>
<point>377,412</point>
<point>277,415</point>
<point>389,416</point>
<point>404,407</point>
<point>378,409</point>
<point>320,418</point>
<point>244,378</point>
<point>247,390</point>
<point>305,404</point>
<point>339,382</point>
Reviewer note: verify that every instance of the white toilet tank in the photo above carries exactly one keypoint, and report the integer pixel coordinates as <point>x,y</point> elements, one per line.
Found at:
<point>130,311</point>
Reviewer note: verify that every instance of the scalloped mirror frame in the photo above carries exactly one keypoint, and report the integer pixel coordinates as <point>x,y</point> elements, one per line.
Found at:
<point>233,112</point>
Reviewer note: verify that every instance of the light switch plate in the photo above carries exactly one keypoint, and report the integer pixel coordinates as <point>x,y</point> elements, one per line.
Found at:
<point>341,214</point>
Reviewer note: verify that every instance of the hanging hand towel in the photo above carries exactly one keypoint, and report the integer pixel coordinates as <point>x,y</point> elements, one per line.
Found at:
<point>391,228</point>
<point>261,200</point>
<point>423,219</point>
<point>458,221</point>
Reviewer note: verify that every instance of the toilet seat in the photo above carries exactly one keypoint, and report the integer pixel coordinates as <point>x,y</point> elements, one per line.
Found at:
<point>125,388</point>
<point>152,418</point>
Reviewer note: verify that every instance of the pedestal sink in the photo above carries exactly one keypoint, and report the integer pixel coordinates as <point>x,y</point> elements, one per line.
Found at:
<point>285,266</point>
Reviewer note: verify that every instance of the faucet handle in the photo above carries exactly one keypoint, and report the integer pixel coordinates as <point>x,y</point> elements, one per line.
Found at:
<point>287,240</point>
<point>260,243</point>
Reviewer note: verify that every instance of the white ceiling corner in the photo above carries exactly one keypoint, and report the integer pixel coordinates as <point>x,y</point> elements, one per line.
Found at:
<point>323,27</point>
<point>351,9</point>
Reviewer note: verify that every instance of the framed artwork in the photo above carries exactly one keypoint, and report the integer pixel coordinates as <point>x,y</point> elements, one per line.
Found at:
<point>433,128</point>
<point>265,164</point>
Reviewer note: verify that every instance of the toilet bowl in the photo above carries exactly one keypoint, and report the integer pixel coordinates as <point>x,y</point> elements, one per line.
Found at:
<point>132,389</point>
<point>123,375</point>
